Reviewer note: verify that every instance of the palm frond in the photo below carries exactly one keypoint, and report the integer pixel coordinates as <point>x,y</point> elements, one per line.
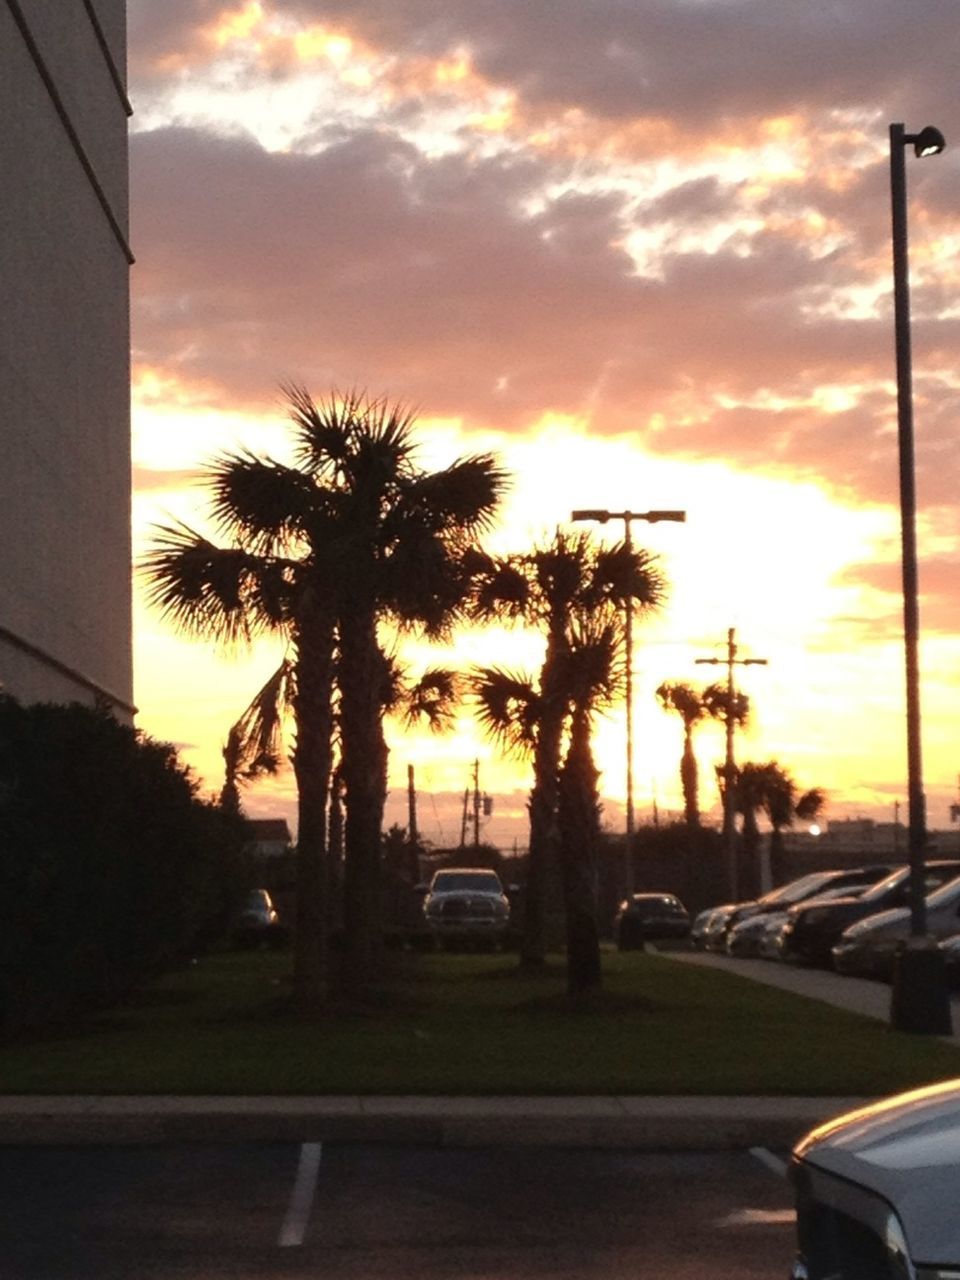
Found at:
<point>502,590</point>
<point>593,668</point>
<point>323,431</point>
<point>463,497</point>
<point>255,744</point>
<point>508,708</point>
<point>620,572</point>
<point>675,695</point>
<point>434,698</point>
<point>715,700</point>
<point>263,504</point>
<point>213,592</point>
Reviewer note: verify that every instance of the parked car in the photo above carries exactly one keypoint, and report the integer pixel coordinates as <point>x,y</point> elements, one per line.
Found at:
<point>649,917</point>
<point>877,1191</point>
<point>258,923</point>
<point>814,928</point>
<point>867,948</point>
<point>466,905</point>
<point>808,886</point>
<point>701,927</point>
<point>753,936</point>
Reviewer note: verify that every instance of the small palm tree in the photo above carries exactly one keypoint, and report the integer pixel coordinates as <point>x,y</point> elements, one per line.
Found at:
<point>783,806</point>
<point>688,703</point>
<point>770,789</point>
<point>558,582</point>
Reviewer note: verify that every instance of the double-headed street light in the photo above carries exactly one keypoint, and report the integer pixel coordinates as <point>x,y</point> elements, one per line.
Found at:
<point>919,1001</point>
<point>650,517</point>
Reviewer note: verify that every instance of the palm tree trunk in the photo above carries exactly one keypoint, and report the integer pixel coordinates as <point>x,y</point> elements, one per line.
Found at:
<point>776,855</point>
<point>689,780</point>
<point>579,837</point>
<point>364,772</point>
<point>749,877</point>
<point>313,710</point>
<point>543,819</point>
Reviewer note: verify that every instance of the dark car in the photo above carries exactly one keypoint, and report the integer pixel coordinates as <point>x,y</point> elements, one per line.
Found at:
<point>258,923</point>
<point>649,917</point>
<point>814,928</point>
<point>877,1189</point>
<point>787,895</point>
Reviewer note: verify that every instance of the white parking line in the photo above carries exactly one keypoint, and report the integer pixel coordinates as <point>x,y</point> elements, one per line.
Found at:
<point>301,1201</point>
<point>772,1162</point>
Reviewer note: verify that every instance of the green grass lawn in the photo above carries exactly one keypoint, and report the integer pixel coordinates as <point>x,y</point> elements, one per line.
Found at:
<point>451,1024</point>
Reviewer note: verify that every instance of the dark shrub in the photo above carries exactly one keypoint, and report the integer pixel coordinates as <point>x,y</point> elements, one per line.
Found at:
<point>111,868</point>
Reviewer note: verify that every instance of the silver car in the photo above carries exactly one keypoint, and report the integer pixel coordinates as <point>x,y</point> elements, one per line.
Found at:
<point>467,905</point>
<point>867,948</point>
<point>877,1191</point>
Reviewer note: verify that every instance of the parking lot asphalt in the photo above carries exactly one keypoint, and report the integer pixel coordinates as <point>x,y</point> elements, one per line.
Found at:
<point>610,1122</point>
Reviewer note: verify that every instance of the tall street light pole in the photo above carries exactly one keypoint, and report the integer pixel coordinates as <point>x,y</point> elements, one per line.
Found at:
<point>729,764</point>
<point>651,517</point>
<point>919,1001</point>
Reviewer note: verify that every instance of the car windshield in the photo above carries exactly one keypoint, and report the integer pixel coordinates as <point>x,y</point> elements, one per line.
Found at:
<point>946,894</point>
<point>653,905</point>
<point>795,890</point>
<point>883,887</point>
<point>475,881</point>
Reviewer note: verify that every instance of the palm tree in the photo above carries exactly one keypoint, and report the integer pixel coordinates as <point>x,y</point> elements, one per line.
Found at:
<point>553,585</point>
<point>688,703</point>
<point>351,534</point>
<point>770,789</point>
<point>783,806</point>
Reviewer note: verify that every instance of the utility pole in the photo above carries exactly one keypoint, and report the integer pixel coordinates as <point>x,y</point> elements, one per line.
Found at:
<point>476,804</point>
<point>729,764</point>
<point>413,835</point>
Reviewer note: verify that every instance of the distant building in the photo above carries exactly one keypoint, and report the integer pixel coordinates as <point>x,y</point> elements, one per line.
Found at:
<point>269,837</point>
<point>861,840</point>
<point>65,591</point>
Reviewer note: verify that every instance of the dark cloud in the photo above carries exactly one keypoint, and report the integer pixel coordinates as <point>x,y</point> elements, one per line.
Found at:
<point>696,60</point>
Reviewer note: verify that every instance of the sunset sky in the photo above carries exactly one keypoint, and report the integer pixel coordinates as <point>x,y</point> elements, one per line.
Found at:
<point>638,248</point>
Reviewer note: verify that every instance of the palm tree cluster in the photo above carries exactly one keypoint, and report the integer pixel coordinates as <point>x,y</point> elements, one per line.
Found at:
<point>574,593</point>
<point>757,788</point>
<point>327,551</point>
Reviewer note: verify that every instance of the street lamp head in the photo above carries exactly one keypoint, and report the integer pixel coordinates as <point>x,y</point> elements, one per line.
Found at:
<point>928,142</point>
<point>653,516</point>
<point>601,516</point>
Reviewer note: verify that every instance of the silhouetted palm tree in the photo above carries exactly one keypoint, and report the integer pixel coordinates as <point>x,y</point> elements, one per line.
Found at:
<point>688,703</point>
<point>551,587</point>
<point>324,550</point>
<point>784,806</point>
<point>770,789</point>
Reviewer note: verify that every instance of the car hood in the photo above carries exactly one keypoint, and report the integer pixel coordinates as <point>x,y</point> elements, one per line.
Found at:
<point>816,904</point>
<point>906,1149</point>
<point>878,923</point>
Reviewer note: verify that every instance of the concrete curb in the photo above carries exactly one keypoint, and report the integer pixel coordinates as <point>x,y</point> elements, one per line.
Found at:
<point>643,1124</point>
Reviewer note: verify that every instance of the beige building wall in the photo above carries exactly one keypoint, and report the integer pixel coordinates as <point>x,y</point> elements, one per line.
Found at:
<point>65,593</point>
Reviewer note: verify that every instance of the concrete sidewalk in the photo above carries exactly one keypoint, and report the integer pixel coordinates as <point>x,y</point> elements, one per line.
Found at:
<point>857,995</point>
